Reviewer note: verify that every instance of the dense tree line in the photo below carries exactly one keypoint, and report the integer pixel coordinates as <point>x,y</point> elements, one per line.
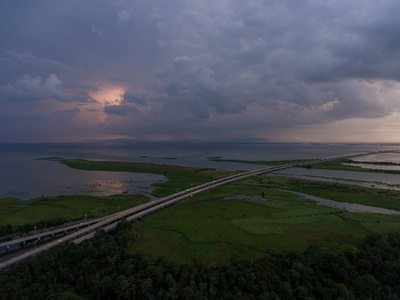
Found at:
<point>104,269</point>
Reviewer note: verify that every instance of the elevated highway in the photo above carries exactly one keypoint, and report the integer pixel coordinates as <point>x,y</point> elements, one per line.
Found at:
<point>109,223</point>
<point>26,240</point>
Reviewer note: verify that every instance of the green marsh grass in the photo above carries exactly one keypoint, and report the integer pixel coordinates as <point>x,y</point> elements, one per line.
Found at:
<point>18,212</point>
<point>214,230</point>
<point>330,190</point>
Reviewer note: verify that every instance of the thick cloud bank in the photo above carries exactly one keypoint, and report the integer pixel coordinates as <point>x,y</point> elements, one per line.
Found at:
<point>209,70</point>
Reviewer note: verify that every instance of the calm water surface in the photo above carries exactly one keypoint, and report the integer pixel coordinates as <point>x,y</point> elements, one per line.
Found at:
<point>380,157</point>
<point>25,177</point>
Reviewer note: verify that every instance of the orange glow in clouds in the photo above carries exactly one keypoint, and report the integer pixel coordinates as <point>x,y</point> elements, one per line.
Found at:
<point>108,95</point>
<point>93,113</point>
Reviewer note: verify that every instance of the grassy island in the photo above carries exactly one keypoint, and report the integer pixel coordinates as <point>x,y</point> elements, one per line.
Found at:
<point>179,178</point>
<point>339,165</point>
<point>18,216</point>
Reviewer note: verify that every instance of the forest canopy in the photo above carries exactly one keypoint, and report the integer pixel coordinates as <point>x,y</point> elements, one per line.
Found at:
<point>103,268</point>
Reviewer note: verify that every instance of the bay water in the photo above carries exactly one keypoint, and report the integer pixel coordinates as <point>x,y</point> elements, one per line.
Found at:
<point>24,176</point>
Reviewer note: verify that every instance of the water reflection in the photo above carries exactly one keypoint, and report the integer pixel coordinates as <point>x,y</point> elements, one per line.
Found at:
<point>374,167</point>
<point>24,177</point>
<point>366,179</point>
<point>380,157</point>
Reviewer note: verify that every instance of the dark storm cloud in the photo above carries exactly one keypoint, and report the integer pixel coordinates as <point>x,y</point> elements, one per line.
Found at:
<point>138,97</point>
<point>120,110</point>
<point>30,88</point>
<point>16,62</point>
<point>319,58</point>
<point>130,99</point>
<point>224,67</point>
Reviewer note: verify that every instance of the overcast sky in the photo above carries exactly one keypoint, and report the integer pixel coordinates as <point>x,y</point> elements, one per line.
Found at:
<point>302,71</point>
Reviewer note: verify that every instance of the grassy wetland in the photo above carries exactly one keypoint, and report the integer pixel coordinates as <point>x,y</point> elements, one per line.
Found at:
<point>18,216</point>
<point>179,178</point>
<point>214,226</point>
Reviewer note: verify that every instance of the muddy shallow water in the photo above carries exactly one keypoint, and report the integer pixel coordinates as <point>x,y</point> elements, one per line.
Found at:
<point>352,207</point>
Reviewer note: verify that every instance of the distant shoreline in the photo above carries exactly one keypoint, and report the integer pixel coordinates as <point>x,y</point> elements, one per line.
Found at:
<point>340,165</point>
